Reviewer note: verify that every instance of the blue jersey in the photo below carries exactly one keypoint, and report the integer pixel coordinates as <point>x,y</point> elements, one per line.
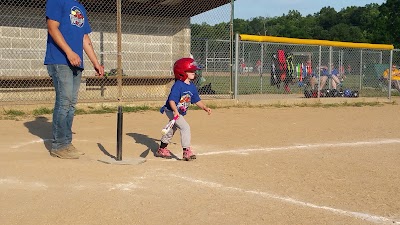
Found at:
<point>183,95</point>
<point>73,26</point>
<point>324,72</point>
<point>335,72</point>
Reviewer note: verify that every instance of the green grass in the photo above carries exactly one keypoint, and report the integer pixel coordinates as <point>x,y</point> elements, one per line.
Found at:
<point>79,111</point>
<point>102,110</point>
<point>137,108</point>
<point>42,111</point>
<point>14,113</point>
<point>18,114</point>
<point>107,109</point>
<point>254,84</point>
<point>211,106</point>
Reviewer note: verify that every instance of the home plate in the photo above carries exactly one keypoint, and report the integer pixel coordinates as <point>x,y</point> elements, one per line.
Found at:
<point>125,161</point>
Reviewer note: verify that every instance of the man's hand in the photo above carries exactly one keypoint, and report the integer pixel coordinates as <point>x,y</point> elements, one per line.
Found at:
<point>99,70</point>
<point>74,59</point>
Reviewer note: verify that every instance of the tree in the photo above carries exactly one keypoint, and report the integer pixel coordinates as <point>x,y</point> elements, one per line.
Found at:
<point>327,17</point>
<point>344,32</point>
<point>373,23</point>
<point>391,9</point>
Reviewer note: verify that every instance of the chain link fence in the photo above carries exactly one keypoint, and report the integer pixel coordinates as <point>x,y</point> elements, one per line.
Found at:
<point>283,70</point>
<point>154,35</point>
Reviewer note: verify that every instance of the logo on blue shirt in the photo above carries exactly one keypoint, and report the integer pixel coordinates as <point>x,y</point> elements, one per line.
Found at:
<point>77,18</point>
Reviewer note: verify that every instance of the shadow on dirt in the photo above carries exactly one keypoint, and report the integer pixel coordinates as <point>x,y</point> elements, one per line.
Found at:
<point>41,127</point>
<point>105,152</point>
<point>150,143</point>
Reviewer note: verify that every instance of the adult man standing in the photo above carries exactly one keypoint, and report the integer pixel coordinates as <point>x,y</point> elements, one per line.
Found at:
<point>68,30</point>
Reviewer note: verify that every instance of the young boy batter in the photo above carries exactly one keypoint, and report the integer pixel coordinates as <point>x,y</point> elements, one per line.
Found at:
<point>183,93</point>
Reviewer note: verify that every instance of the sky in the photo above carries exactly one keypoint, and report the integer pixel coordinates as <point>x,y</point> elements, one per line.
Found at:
<point>247,9</point>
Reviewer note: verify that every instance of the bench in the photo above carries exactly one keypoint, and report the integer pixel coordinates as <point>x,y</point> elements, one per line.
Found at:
<point>37,84</point>
<point>25,84</point>
<point>100,83</point>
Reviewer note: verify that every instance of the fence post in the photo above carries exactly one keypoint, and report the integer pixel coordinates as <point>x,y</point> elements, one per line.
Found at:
<point>319,70</point>
<point>232,37</point>
<point>390,76</point>
<point>119,48</point>
<point>361,68</point>
<point>261,67</point>
<point>235,93</point>
<point>330,66</point>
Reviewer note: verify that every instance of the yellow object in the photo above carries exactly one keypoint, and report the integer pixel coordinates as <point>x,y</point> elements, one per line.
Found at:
<point>395,74</point>
<point>73,13</point>
<point>246,37</point>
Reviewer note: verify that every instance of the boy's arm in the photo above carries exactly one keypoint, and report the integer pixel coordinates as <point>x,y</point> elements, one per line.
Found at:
<point>203,106</point>
<point>88,47</point>
<point>173,107</point>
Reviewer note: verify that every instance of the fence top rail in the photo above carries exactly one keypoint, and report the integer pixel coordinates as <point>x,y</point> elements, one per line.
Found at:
<point>258,38</point>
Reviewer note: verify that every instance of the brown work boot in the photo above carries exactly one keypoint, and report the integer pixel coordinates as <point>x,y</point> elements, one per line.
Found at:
<point>64,154</point>
<point>74,150</point>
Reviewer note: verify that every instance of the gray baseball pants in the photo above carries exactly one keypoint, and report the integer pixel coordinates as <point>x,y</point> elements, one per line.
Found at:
<point>180,124</point>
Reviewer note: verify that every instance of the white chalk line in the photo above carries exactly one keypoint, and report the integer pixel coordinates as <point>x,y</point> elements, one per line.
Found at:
<point>363,216</point>
<point>304,146</point>
<point>294,147</point>
<point>124,187</point>
<point>130,186</point>
<point>49,140</point>
<point>18,184</point>
<point>30,143</point>
<point>249,150</point>
<point>14,183</point>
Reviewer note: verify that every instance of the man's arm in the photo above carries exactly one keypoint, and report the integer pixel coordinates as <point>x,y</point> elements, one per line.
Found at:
<point>88,47</point>
<point>54,31</point>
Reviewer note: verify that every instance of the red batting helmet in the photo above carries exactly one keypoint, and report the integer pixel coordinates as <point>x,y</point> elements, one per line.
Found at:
<point>182,66</point>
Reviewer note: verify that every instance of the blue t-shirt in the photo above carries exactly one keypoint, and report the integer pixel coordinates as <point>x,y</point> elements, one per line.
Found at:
<point>324,72</point>
<point>335,72</point>
<point>73,26</point>
<point>183,95</point>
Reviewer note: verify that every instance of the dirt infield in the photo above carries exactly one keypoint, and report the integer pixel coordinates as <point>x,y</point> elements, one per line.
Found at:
<point>297,165</point>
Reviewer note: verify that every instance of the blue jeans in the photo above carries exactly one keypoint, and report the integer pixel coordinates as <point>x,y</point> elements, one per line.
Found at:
<point>66,81</point>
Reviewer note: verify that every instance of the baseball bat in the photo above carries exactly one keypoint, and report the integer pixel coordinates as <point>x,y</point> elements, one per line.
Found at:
<point>169,125</point>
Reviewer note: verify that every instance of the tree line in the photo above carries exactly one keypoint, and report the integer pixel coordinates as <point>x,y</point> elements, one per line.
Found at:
<point>372,23</point>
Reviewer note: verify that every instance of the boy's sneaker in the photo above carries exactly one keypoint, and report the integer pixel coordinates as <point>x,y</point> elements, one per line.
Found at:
<point>64,154</point>
<point>74,150</point>
<point>164,153</point>
<point>188,155</point>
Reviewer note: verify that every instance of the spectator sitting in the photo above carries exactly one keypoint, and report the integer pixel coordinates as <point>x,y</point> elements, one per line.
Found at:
<point>395,81</point>
<point>258,66</point>
<point>325,75</point>
<point>310,78</point>
<point>199,79</point>
<point>242,67</point>
<point>348,69</point>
